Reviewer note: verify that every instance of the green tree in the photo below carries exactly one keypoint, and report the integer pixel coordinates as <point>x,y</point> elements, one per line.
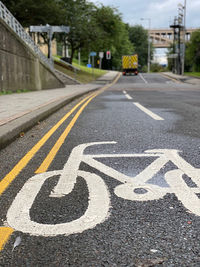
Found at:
<point>193,51</point>
<point>36,12</point>
<point>169,59</point>
<point>97,28</point>
<point>139,38</point>
<point>111,34</point>
<point>79,16</point>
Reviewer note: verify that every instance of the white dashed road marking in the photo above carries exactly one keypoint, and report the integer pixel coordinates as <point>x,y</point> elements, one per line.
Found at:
<point>147,111</point>
<point>141,76</point>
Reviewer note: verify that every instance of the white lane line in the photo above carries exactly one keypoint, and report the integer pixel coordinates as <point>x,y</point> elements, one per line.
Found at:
<point>143,78</point>
<point>148,112</point>
<point>127,95</point>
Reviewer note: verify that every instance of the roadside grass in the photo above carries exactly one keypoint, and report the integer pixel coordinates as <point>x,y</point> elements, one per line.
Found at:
<point>84,75</point>
<point>193,74</point>
<point>4,92</point>
<point>88,74</point>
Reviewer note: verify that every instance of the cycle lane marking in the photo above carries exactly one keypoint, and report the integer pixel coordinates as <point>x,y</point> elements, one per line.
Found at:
<point>145,110</point>
<point>5,233</point>
<point>99,198</point>
<point>7,180</point>
<point>97,210</point>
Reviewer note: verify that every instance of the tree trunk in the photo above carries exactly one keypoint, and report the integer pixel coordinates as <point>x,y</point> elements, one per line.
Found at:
<point>72,54</point>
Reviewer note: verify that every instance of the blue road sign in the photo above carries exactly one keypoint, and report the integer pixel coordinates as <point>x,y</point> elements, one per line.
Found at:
<point>93,54</point>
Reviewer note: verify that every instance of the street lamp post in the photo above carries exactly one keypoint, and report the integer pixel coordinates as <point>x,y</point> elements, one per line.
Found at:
<point>149,44</point>
<point>182,17</point>
<point>184,35</point>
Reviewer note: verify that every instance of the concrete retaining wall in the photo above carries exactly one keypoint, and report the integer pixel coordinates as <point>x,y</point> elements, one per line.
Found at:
<point>19,66</point>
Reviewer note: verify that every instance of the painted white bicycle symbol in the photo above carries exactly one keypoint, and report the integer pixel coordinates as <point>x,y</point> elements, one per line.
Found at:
<point>18,216</point>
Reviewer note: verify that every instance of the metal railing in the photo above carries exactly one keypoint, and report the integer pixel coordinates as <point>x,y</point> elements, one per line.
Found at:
<point>11,21</point>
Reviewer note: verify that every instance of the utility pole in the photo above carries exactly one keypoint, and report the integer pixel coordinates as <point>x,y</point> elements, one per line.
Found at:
<point>180,50</point>
<point>177,32</point>
<point>184,37</point>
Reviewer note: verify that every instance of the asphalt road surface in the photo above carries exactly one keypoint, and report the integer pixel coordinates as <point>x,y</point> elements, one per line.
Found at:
<point>115,183</point>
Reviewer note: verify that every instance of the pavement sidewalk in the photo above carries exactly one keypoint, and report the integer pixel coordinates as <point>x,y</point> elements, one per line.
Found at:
<point>19,112</point>
<point>183,78</point>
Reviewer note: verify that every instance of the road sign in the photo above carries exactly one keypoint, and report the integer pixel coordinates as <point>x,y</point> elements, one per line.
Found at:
<point>50,28</point>
<point>93,54</point>
<point>101,54</point>
<point>61,29</point>
<point>108,55</point>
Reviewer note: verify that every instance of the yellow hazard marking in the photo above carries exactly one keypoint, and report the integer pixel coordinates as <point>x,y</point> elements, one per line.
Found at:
<point>130,62</point>
<point>5,233</point>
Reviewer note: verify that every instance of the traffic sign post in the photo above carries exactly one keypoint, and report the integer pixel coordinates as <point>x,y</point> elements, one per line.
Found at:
<point>93,54</point>
<point>101,55</point>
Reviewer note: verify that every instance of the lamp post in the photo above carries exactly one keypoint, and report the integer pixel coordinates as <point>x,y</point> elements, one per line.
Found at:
<point>184,35</point>
<point>149,44</point>
<point>182,16</point>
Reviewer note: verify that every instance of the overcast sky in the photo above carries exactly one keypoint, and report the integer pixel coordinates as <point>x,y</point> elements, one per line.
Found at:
<point>161,12</point>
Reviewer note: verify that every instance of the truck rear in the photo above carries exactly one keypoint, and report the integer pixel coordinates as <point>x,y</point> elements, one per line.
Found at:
<point>130,64</point>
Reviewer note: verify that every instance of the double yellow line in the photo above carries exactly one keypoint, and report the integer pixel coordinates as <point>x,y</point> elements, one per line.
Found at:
<point>46,163</point>
<point>5,232</point>
<point>5,182</point>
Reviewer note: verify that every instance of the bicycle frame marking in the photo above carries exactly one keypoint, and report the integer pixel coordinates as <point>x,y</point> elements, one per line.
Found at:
<point>99,199</point>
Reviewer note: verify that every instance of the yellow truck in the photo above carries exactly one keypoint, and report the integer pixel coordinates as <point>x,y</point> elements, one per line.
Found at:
<point>130,64</point>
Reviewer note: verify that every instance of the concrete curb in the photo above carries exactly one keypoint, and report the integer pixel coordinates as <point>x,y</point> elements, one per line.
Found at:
<point>182,79</point>
<point>12,130</point>
<point>172,78</point>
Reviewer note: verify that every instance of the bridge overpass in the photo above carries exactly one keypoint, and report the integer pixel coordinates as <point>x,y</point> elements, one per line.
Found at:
<point>163,38</point>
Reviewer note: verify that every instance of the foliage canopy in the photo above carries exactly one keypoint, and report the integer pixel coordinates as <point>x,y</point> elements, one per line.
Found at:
<point>92,27</point>
<point>139,38</point>
<point>193,51</point>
